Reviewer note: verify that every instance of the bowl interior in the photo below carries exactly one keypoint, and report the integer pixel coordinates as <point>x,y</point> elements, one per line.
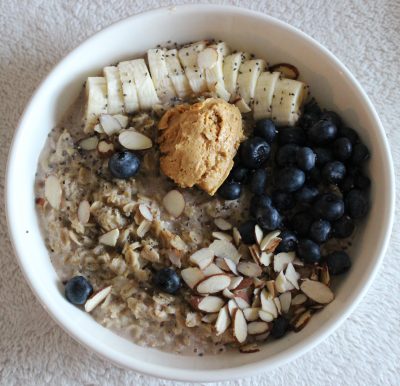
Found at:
<point>267,38</point>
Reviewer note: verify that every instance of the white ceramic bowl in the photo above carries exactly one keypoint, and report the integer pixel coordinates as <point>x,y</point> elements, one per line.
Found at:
<point>332,85</point>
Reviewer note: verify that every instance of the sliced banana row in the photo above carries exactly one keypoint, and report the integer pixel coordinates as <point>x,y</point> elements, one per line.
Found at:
<point>194,69</point>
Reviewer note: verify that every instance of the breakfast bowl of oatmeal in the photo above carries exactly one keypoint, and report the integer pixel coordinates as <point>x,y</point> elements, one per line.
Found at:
<point>203,203</point>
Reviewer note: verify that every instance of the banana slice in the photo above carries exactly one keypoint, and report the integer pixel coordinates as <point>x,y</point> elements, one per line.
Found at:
<point>159,73</point>
<point>211,60</point>
<point>131,99</point>
<point>265,87</point>
<point>115,99</point>
<point>176,74</point>
<point>144,85</point>
<point>96,101</point>
<point>287,100</point>
<point>247,78</point>
<point>188,57</point>
<point>231,70</point>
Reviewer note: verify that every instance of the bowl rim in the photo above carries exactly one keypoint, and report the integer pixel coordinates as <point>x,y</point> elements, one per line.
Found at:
<point>286,355</point>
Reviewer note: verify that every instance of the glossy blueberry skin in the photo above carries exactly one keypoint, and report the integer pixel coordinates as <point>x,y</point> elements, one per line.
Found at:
<point>347,184</point>
<point>343,228</point>
<point>279,327</point>
<point>288,243</point>
<point>124,164</point>
<point>305,158</point>
<point>360,154</point>
<point>167,280</point>
<point>290,179</point>
<point>328,207</point>
<point>261,201</point>
<point>349,133</point>
<point>230,190</point>
<point>320,231</point>
<point>333,117</point>
<point>266,129</point>
<point>239,174</point>
<point>307,194</point>
<point>246,231</point>
<point>334,172</point>
<point>301,223</point>
<point>268,218</point>
<point>286,155</point>
<point>323,132</point>
<point>323,155</point>
<point>338,262</point>
<point>294,135</point>
<point>78,289</point>
<point>357,204</point>
<point>342,149</point>
<point>258,181</point>
<point>254,152</point>
<point>282,200</point>
<point>362,182</point>
<point>309,251</point>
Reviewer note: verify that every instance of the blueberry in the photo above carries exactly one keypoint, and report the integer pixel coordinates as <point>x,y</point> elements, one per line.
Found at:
<point>258,181</point>
<point>239,174</point>
<point>322,155</point>
<point>356,202</point>
<point>290,179</point>
<point>305,158</point>
<point>333,117</point>
<point>343,228</point>
<point>261,201</point>
<point>349,133</point>
<point>279,327</point>
<point>167,280</point>
<point>286,155</point>
<point>124,164</point>
<point>334,172</point>
<point>347,184</point>
<point>342,148</point>
<point>308,251</point>
<point>329,207</point>
<point>266,129</point>
<point>338,262</point>
<point>323,132</point>
<point>307,194</point>
<point>301,223</point>
<point>282,200</point>
<point>268,218</point>
<point>77,290</point>
<point>294,135</point>
<point>360,154</point>
<point>311,114</point>
<point>320,231</point>
<point>312,107</point>
<point>362,182</point>
<point>314,176</point>
<point>288,243</point>
<point>230,190</point>
<point>254,152</point>
<point>246,231</point>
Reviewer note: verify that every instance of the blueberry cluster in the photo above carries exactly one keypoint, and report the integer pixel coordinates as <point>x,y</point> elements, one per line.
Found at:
<point>307,180</point>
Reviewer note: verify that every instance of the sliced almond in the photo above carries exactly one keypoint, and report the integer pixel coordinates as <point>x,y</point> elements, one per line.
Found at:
<point>209,318</point>
<point>143,228</point>
<point>288,70</point>
<point>255,253</point>
<point>258,233</point>
<point>301,321</point>
<point>298,262</point>
<point>53,191</point>
<point>222,224</point>
<point>207,58</point>
<point>324,275</point>
<point>299,299</point>
<point>227,293</point>
<point>278,305</point>
<point>84,212</point>
<point>282,284</point>
<point>89,143</point>
<point>134,140</point>
<point>298,310</point>
<point>202,258</point>
<point>265,316</point>
<point>174,203</point>
<point>235,282</point>
<point>223,321</point>
<point>109,124</point>
<point>317,291</point>
<point>268,304</point>
<point>98,128</point>
<point>242,106</point>
<point>122,119</point>
<point>74,238</point>
<point>213,284</point>
<point>245,284</point>
<point>236,236</point>
<point>285,300</point>
<point>225,249</point>
<point>211,304</point>
<point>239,325</point>
<point>221,263</point>
<point>192,276</point>
<point>231,265</point>
<point>256,328</point>
<point>212,269</point>
<point>270,241</point>
<point>105,148</point>
<point>249,348</point>
<point>292,275</point>
<point>222,236</point>
<point>262,337</point>
<point>266,258</point>
<point>259,283</point>
<point>281,260</point>
<point>97,298</point>
<point>145,212</point>
<point>271,288</point>
<point>251,313</point>
<point>231,306</point>
<point>110,238</point>
<point>249,269</point>
<point>241,302</point>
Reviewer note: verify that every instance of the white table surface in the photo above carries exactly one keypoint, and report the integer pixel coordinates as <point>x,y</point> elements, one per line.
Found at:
<point>36,34</point>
